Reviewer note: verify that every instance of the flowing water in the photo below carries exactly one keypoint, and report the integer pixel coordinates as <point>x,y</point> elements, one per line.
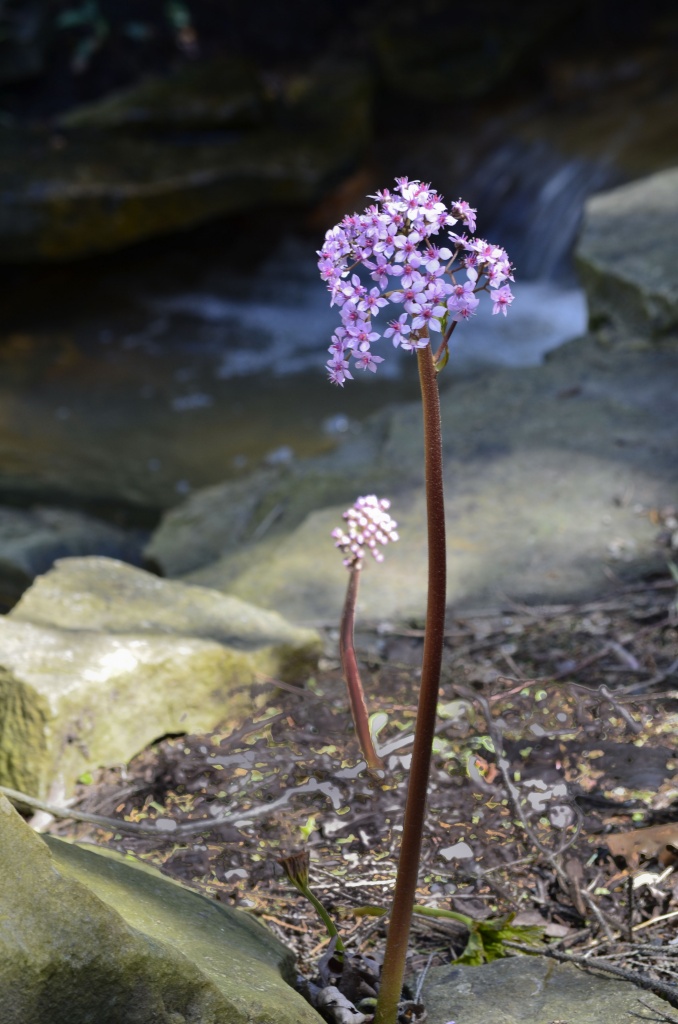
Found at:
<point>199,358</point>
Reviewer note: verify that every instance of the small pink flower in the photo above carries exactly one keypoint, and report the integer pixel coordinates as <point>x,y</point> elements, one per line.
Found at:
<point>502,299</point>
<point>366,361</point>
<point>397,329</point>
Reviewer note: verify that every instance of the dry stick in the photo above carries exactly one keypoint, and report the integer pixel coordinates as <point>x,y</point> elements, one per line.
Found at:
<point>633,725</point>
<point>93,819</point>
<point>629,909</point>
<point>597,913</point>
<point>349,663</point>
<point>189,828</point>
<point>413,823</point>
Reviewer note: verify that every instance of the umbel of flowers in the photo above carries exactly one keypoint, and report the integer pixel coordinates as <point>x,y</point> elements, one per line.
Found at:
<point>371,262</point>
<point>368,524</point>
<point>433,287</point>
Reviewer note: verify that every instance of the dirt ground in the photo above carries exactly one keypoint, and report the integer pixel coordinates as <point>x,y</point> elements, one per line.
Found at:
<point>556,741</point>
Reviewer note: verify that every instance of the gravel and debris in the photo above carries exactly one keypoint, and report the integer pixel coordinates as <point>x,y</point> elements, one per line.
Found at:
<point>582,701</point>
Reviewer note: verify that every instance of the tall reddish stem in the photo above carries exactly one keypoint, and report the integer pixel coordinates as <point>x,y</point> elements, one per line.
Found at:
<point>349,663</point>
<point>413,823</point>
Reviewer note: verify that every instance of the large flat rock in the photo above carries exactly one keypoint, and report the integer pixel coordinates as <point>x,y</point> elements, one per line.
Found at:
<point>628,258</point>
<point>550,473</point>
<point>100,659</point>
<point>86,937</point>
<point>106,595</point>
<point>534,990</point>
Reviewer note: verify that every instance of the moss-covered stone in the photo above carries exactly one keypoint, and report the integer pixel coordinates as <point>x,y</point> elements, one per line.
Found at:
<point>88,939</point>
<point>100,659</point>
<point>112,597</point>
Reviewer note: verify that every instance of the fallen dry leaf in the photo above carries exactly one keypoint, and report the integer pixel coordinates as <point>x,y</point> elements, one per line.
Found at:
<point>660,841</point>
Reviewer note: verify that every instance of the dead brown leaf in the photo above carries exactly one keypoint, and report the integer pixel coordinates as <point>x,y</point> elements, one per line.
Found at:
<point>660,841</point>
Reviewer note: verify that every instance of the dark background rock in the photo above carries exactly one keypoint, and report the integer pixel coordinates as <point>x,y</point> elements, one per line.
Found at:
<point>104,185</point>
<point>23,39</point>
<point>195,74</point>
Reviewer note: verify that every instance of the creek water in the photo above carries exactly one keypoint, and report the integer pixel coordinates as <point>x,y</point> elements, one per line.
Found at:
<point>191,360</point>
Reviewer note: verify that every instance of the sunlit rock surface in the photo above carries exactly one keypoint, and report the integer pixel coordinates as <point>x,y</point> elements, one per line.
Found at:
<point>532,990</point>
<point>628,259</point>
<point>86,937</point>
<point>550,473</point>
<point>99,659</point>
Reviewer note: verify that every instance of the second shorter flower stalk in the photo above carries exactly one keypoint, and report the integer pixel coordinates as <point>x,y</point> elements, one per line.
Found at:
<point>369,527</point>
<point>349,664</point>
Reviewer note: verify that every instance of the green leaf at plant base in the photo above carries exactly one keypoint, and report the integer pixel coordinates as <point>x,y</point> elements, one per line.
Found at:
<point>485,939</point>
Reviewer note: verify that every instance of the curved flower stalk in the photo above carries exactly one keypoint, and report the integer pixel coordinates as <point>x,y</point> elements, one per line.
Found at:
<point>382,257</point>
<point>368,525</point>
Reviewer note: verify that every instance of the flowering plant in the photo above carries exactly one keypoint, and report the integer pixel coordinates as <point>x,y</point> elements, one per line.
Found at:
<point>435,287</point>
<point>392,241</point>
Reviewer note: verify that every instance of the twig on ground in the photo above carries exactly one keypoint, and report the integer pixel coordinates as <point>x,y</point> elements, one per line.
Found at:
<point>633,725</point>
<point>667,1018</point>
<point>597,913</point>
<point>655,920</point>
<point>120,825</point>
<point>498,743</point>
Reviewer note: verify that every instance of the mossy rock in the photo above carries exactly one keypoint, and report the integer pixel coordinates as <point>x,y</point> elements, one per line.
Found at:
<point>92,939</point>
<point>99,659</point>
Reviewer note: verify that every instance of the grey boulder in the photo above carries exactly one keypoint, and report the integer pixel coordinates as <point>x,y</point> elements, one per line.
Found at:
<point>550,474</point>
<point>627,258</point>
<point>87,938</point>
<point>534,990</point>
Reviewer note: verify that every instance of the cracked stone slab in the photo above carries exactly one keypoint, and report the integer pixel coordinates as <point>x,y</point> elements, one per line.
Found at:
<point>535,990</point>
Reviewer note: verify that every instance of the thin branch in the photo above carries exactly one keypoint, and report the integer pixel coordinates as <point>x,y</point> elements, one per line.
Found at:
<point>633,725</point>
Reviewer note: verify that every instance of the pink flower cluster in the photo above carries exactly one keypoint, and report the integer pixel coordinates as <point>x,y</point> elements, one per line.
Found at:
<point>368,524</point>
<point>391,241</point>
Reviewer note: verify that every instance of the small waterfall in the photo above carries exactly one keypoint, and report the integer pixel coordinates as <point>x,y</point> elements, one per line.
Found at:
<point>532,200</point>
